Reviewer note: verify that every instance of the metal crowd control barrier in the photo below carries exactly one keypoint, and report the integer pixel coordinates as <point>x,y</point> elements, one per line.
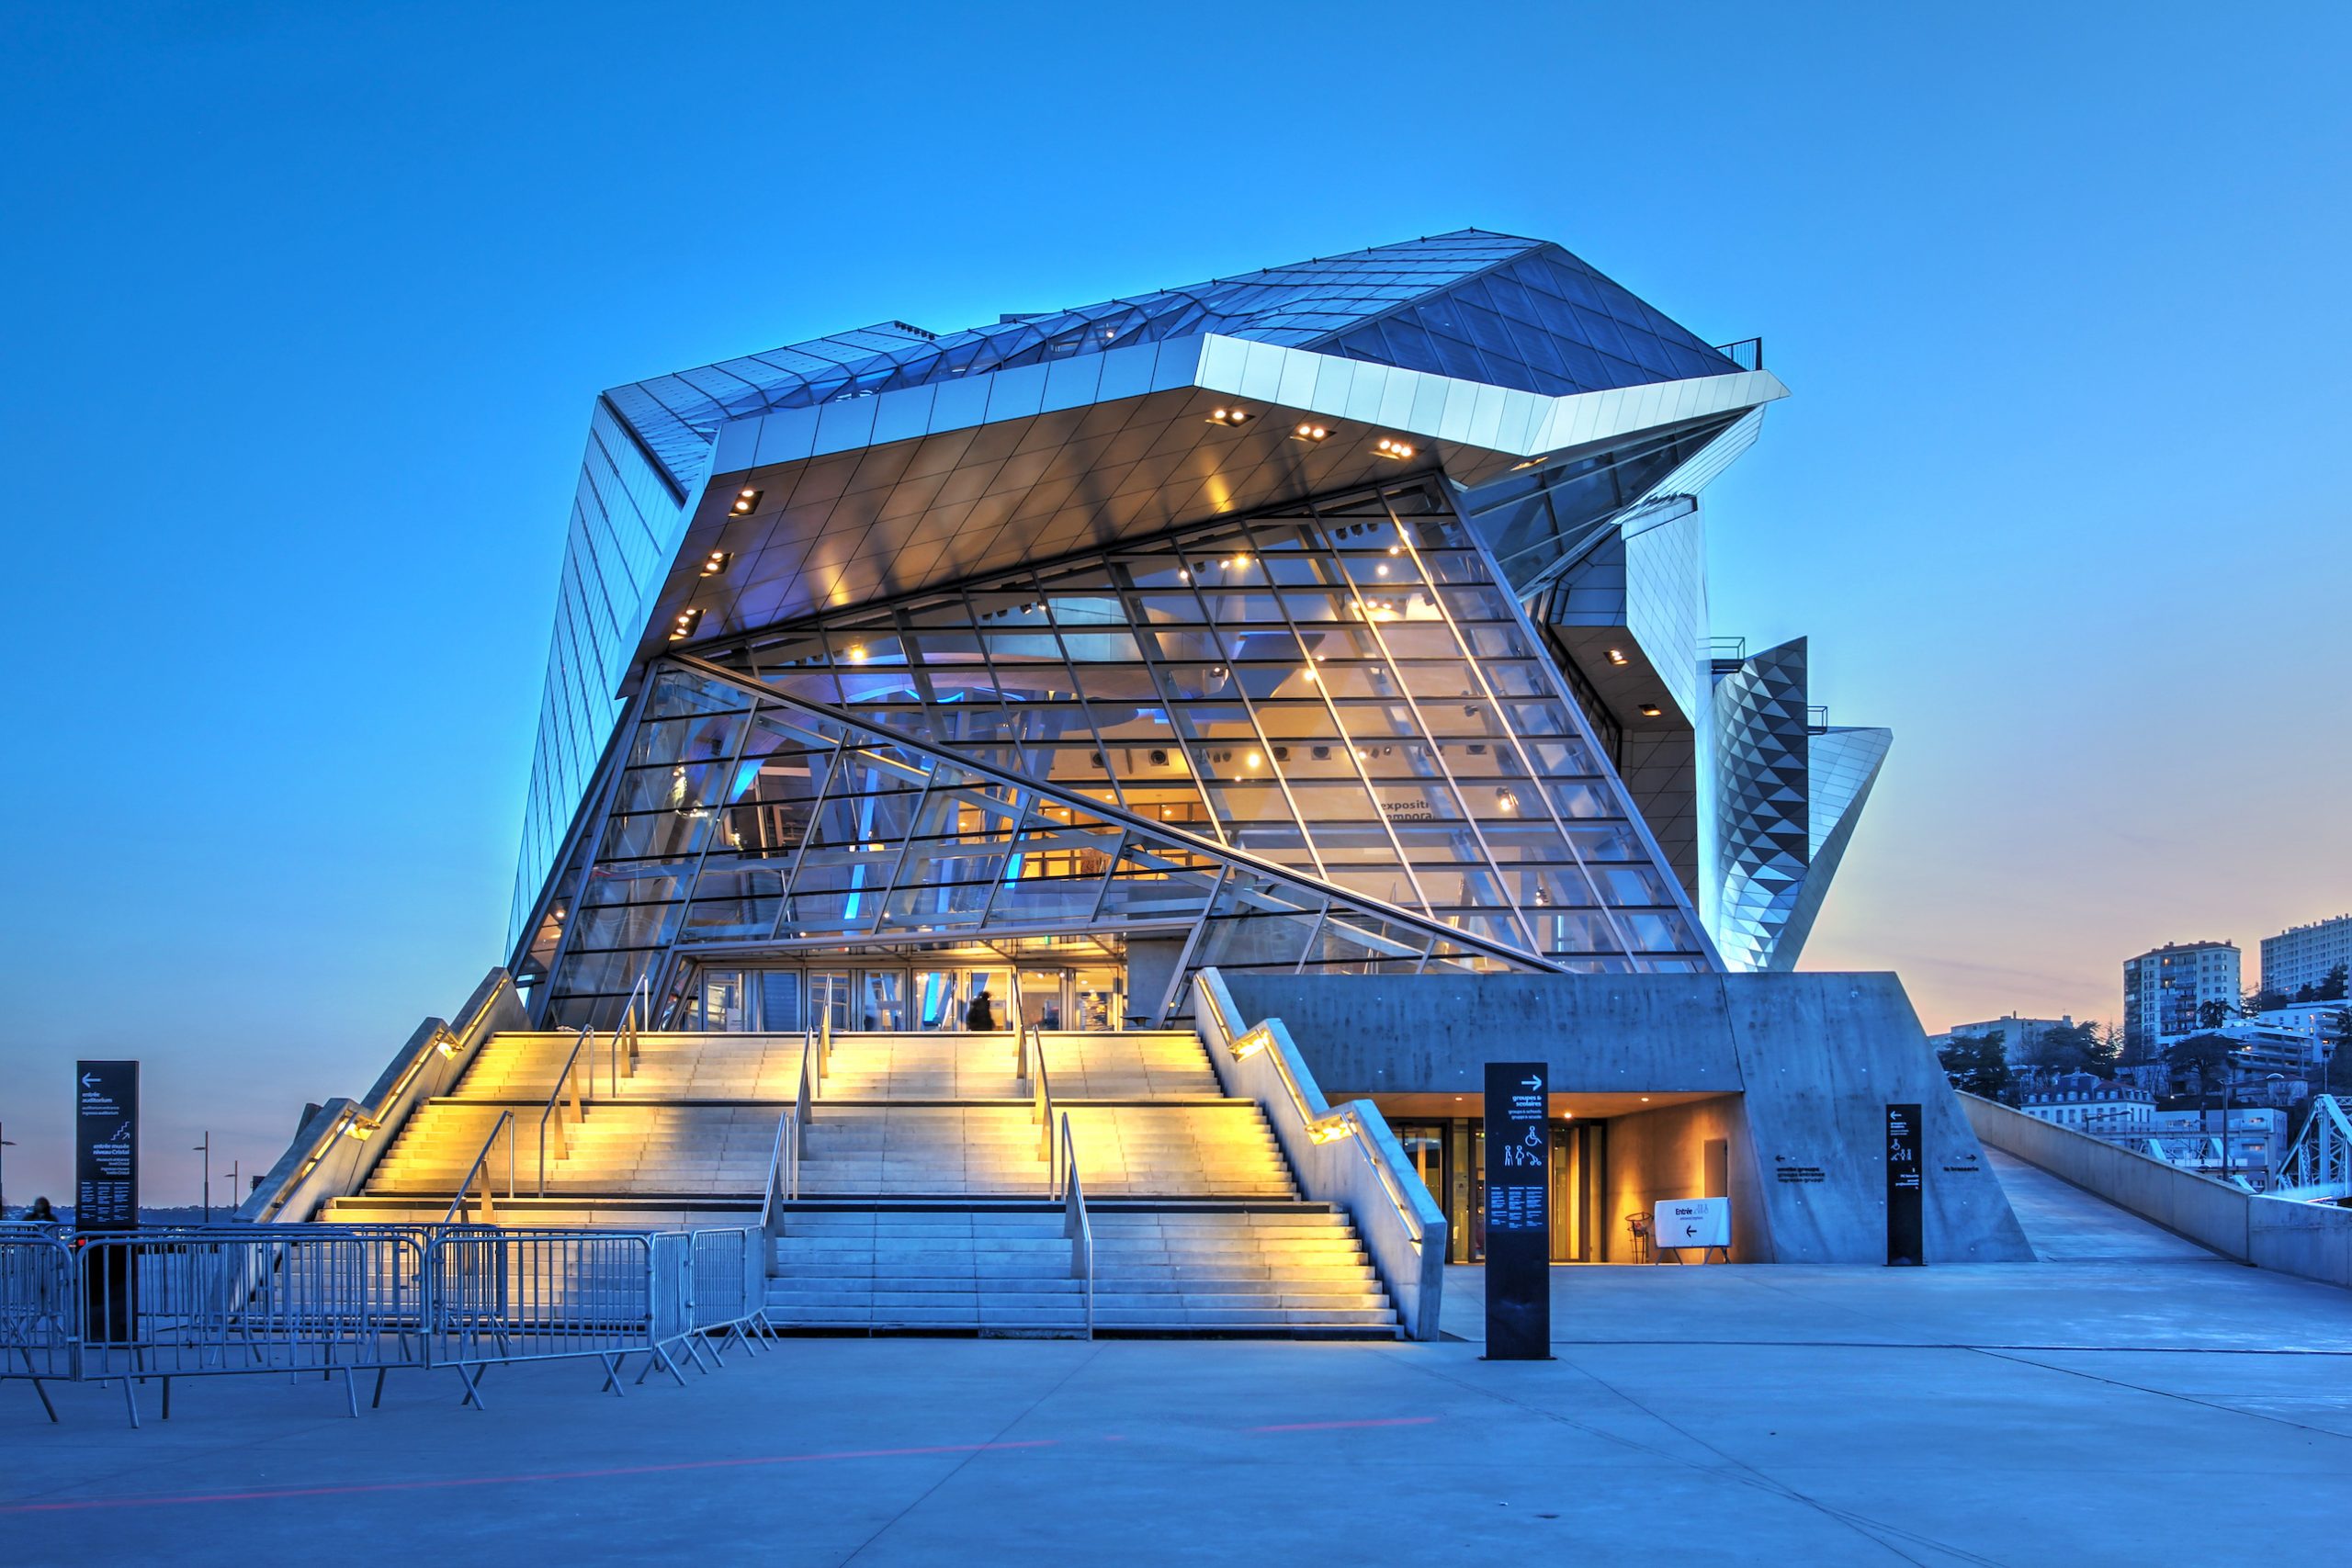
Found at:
<point>136,1305</point>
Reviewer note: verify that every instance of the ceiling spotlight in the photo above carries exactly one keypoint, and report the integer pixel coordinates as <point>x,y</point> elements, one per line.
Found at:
<point>1229,416</point>
<point>1310,432</point>
<point>856,653</point>
<point>1389,446</point>
<point>1616,656</point>
<point>1651,710</point>
<point>1254,760</point>
<point>683,626</point>
<point>744,500</point>
<point>716,562</point>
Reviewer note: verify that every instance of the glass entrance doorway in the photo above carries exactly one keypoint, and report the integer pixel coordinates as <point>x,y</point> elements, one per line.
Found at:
<point>890,997</point>
<point>1450,1157</point>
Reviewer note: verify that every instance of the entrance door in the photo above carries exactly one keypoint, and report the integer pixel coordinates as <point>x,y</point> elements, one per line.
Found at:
<point>882,1001</point>
<point>827,998</point>
<point>1041,998</point>
<point>779,1000</point>
<point>939,999</point>
<point>722,998</point>
<point>1100,997</point>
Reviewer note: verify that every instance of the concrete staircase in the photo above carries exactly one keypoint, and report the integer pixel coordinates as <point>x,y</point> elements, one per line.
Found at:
<point>925,1190</point>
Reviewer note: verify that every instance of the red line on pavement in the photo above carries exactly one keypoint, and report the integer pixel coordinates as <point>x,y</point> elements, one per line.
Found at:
<point>455,1481</point>
<point>1335,1425</point>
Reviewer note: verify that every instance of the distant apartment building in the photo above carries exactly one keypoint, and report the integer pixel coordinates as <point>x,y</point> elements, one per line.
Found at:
<point>2091,1104</point>
<point>2165,989</point>
<point>2296,1040</point>
<point>2304,955</point>
<point>2015,1033</point>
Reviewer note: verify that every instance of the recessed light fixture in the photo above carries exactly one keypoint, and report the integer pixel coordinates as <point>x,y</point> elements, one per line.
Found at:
<point>683,626</point>
<point>744,500</point>
<point>1254,760</point>
<point>856,653</point>
<point>1229,416</point>
<point>1616,656</point>
<point>1389,446</point>
<point>1310,432</point>
<point>716,562</point>
<point>1651,710</point>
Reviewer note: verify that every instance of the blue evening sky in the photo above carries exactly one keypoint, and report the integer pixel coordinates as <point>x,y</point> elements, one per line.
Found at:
<point>306,306</point>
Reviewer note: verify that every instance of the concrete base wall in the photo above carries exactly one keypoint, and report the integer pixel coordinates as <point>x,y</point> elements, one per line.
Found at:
<point>1810,1063</point>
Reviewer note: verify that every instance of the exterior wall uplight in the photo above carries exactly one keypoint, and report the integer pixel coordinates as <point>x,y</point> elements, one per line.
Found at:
<point>744,500</point>
<point>1651,710</point>
<point>684,626</point>
<point>1616,656</point>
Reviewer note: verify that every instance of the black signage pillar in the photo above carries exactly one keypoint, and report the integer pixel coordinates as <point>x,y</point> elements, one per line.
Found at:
<point>1519,1230</point>
<point>106,1190</point>
<point>1905,1179</point>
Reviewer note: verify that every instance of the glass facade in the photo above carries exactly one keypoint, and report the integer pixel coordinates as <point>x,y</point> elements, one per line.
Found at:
<point>1508,311</point>
<point>812,744</point>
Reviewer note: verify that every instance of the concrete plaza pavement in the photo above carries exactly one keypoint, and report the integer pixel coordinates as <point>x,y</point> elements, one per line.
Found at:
<point>2129,1399</point>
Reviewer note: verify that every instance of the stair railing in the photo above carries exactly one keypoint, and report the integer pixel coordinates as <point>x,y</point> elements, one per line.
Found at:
<point>1021,1084</point>
<point>1076,1224</point>
<point>479,1171</point>
<point>1041,1111</point>
<point>567,1106</point>
<point>825,1047</point>
<point>783,1173</point>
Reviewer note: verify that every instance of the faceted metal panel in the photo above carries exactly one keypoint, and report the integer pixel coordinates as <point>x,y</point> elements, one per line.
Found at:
<point>1842,764</point>
<point>1763,824</point>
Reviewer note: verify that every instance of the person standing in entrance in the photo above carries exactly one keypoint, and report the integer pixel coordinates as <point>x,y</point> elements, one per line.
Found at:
<point>979,1017</point>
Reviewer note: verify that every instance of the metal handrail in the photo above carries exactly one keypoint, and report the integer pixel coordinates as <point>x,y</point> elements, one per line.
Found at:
<point>783,1171</point>
<point>1321,1128</point>
<point>1041,1111</point>
<point>825,1047</point>
<point>1077,1225</point>
<point>576,1112</point>
<point>488,1209</point>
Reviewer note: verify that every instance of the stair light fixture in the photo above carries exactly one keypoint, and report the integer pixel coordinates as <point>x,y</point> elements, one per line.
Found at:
<point>1250,1045</point>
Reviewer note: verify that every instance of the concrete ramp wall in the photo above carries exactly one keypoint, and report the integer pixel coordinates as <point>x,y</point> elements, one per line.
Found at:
<point>2310,1240</point>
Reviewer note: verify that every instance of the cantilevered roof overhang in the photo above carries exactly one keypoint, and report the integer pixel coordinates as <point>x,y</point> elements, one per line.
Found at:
<point>870,497</point>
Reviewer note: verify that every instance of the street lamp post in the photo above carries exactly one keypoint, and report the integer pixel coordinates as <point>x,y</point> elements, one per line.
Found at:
<point>204,1193</point>
<point>7,1142</point>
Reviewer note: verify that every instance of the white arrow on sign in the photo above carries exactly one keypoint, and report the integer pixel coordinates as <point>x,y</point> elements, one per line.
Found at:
<point>1530,1083</point>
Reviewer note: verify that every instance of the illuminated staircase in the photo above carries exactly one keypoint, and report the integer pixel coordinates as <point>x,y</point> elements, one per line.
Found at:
<point>925,1198</point>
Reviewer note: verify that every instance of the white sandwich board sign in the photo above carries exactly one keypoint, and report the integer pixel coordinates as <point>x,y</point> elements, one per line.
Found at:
<point>1691,1222</point>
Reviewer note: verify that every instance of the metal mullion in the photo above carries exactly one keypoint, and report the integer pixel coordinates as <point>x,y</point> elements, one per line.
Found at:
<point>686,903</point>
<point>1233,670</point>
<point>1122,579</point>
<point>1420,721</point>
<point>1184,954</point>
<point>1109,875</point>
<point>1583,727</point>
<point>1364,774</point>
<point>800,851</point>
<point>587,835</point>
<point>1535,780</point>
<point>906,845</point>
<point>1026,803</point>
<point>1077,688</point>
